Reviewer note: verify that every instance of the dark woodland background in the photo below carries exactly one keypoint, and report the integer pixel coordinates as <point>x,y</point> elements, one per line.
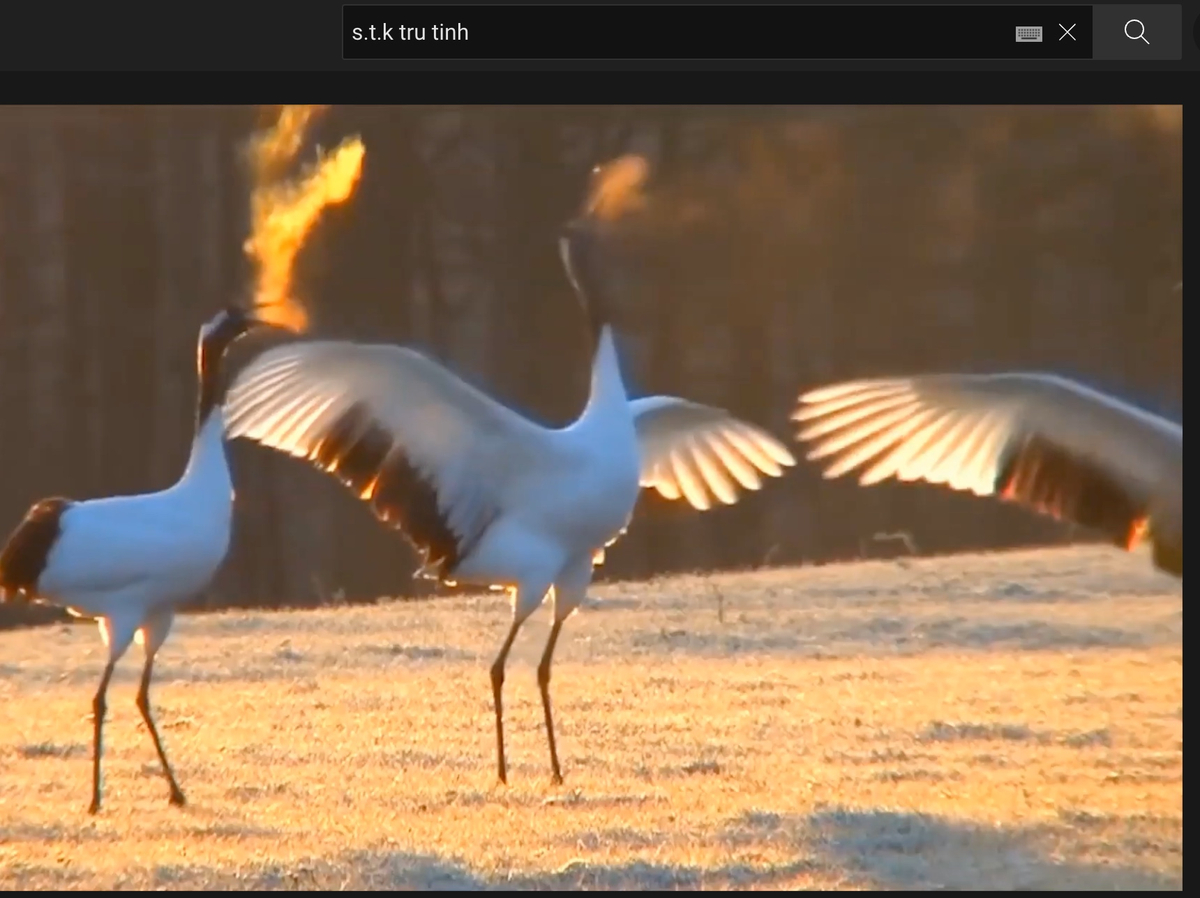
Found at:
<point>784,247</point>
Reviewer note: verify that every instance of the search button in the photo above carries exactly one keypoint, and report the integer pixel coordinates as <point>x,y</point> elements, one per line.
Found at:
<point>1136,31</point>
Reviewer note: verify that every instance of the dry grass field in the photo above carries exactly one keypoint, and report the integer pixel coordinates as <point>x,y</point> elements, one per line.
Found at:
<point>1011,720</point>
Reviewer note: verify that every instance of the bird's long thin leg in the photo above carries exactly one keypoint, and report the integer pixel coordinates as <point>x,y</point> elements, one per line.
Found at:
<point>570,590</point>
<point>99,706</point>
<point>143,703</point>
<point>152,634</point>
<point>543,675</point>
<point>497,687</point>
<point>117,632</point>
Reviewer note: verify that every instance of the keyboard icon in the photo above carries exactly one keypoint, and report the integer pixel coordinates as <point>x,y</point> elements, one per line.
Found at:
<point>1029,34</point>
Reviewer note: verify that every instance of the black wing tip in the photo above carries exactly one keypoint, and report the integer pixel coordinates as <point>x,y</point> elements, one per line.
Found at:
<point>365,457</point>
<point>25,555</point>
<point>1053,481</point>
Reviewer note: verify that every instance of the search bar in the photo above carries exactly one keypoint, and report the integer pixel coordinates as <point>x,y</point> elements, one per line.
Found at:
<point>1137,31</point>
<point>726,31</point>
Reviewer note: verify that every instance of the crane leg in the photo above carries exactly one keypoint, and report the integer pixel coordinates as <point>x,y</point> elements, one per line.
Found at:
<point>543,675</point>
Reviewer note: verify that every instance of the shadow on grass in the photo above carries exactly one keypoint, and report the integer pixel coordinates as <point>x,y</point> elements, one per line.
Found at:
<point>82,831</point>
<point>15,832</point>
<point>876,849</point>
<point>407,871</point>
<point>906,850</point>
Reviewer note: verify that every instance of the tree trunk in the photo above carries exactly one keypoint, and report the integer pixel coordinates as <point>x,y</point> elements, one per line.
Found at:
<point>169,426</point>
<point>48,323</point>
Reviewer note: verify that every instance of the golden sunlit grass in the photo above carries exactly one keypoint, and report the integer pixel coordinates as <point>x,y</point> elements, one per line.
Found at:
<point>283,213</point>
<point>1011,720</point>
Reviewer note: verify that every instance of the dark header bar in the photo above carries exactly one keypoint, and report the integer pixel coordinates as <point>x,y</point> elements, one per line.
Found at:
<point>733,31</point>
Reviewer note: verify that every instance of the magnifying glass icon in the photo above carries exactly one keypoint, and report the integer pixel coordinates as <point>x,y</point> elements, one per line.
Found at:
<point>1136,31</point>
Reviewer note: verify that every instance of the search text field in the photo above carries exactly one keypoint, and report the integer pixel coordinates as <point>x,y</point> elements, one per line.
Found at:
<point>732,31</point>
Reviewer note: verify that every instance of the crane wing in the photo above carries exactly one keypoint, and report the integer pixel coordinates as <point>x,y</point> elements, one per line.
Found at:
<point>697,451</point>
<point>1046,442</point>
<point>428,451</point>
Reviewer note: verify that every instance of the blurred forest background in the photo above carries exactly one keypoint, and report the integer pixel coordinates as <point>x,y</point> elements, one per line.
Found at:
<point>783,247</point>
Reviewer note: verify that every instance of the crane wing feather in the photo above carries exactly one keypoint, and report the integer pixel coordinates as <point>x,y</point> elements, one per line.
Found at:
<point>697,451</point>
<point>1046,442</point>
<point>423,447</point>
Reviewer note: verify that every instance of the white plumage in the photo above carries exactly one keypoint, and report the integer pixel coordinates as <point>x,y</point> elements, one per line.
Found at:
<point>504,501</point>
<point>1046,442</point>
<point>128,561</point>
<point>694,450</point>
<point>488,496</point>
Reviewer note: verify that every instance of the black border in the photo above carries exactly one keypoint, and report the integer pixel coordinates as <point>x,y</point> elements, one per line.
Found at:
<point>284,36</point>
<point>633,87</point>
